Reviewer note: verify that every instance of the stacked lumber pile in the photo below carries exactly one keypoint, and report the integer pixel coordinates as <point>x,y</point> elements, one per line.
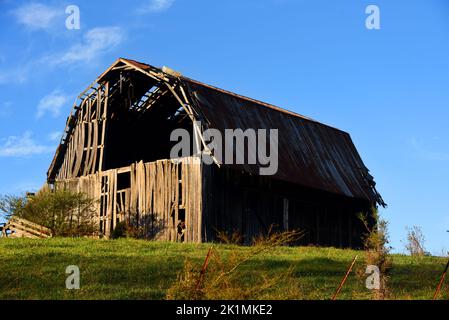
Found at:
<point>19,227</point>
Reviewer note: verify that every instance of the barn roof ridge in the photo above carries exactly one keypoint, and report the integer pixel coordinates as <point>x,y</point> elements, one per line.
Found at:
<point>261,103</point>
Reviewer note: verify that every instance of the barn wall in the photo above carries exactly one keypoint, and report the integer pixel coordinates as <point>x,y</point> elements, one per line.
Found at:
<point>153,195</point>
<point>157,194</point>
<point>84,136</point>
<point>237,202</point>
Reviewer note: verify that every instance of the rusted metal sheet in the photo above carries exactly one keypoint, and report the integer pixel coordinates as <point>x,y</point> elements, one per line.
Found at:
<point>310,153</point>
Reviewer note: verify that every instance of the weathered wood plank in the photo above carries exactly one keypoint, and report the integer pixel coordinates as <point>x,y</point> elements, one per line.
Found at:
<point>160,189</point>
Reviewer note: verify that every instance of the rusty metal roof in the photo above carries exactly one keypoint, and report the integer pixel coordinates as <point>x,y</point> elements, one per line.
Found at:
<point>310,153</point>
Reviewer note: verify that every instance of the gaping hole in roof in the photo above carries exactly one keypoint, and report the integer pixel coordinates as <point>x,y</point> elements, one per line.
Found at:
<point>143,115</point>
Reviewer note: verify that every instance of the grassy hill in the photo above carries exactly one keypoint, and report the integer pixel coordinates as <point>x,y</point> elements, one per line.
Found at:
<point>135,269</point>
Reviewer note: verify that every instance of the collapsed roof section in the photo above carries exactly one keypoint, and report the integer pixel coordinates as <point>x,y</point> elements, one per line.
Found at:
<point>310,153</point>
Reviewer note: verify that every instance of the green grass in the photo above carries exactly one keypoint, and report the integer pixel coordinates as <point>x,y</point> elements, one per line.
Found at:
<point>135,269</point>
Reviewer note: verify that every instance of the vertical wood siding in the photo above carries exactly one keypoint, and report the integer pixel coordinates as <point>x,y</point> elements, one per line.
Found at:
<point>152,197</point>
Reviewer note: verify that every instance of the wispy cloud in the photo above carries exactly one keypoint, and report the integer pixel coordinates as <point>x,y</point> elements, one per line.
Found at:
<point>95,42</point>
<point>16,74</point>
<point>26,186</point>
<point>54,136</point>
<point>22,146</point>
<point>155,6</point>
<point>51,103</point>
<point>36,16</point>
<point>21,187</point>
<point>426,153</point>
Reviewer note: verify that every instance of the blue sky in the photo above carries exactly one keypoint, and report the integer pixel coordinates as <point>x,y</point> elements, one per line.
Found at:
<point>389,88</point>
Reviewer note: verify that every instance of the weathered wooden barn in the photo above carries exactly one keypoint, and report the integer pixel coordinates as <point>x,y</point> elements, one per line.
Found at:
<point>116,148</point>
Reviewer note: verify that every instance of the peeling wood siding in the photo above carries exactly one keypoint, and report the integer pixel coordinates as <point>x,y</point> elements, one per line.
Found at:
<point>157,192</point>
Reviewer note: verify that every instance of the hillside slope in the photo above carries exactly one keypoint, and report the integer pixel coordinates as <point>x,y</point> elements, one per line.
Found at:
<point>135,269</point>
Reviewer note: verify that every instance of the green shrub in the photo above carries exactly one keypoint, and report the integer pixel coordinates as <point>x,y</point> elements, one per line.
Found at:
<point>119,230</point>
<point>65,213</point>
<point>376,242</point>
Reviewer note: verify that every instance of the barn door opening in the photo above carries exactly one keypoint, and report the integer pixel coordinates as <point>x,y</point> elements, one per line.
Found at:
<point>123,196</point>
<point>108,202</point>
<point>104,204</point>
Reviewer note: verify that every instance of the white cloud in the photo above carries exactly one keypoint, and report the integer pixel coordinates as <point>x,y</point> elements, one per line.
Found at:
<point>24,145</point>
<point>54,136</point>
<point>51,103</point>
<point>96,42</point>
<point>36,16</point>
<point>155,6</point>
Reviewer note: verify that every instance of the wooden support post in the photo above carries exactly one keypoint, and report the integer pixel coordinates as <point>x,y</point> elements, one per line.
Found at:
<point>103,120</point>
